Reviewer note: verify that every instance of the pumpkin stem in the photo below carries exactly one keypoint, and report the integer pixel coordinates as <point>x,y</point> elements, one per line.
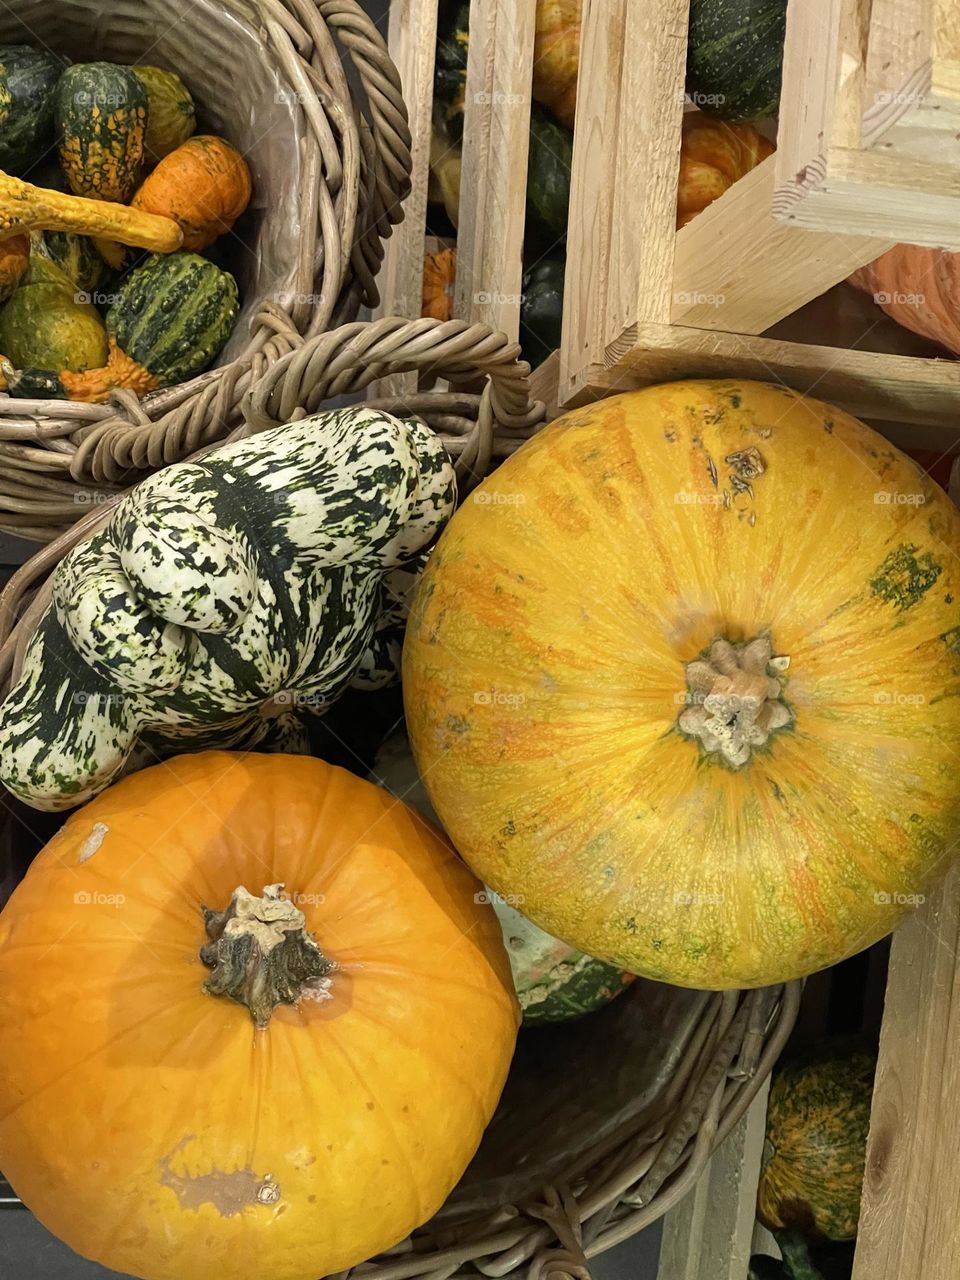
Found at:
<point>260,952</point>
<point>737,701</point>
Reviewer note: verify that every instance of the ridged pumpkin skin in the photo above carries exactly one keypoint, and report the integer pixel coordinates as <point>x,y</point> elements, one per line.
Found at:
<point>546,669</point>
<point>204,186</point>
<point>556,57</point>
<point>171,117</point>
<point>101,117</point>
<point>153,1126</point>
<point>919,287</point>
<point>173,315</point>
<point>714,154</point>
<point>818,1119</point>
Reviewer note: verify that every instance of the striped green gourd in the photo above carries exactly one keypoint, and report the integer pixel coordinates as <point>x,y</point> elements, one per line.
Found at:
<point>224,600</point>
<point>173,315</point>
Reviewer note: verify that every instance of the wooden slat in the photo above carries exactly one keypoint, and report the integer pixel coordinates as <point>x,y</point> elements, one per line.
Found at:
<point>623,192</point>
<point>909,1225</point>
<point>708,1236</point>
<point>867,144</point>
<point>412,37</point>
<point>494,170</point>
<point>740,269</point>
<point>904,389</point>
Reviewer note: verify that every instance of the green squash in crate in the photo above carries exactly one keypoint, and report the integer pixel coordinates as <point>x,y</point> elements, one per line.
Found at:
<point>818,1118</point>
<point>548,178</point>
<point>735,57</point>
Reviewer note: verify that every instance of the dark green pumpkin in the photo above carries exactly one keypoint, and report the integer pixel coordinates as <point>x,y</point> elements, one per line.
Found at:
<point>101,117</point>
<point>30,77</point>
<point>450,67</point>
<point>541,309</point>
<point>548,179</point>
<point>173,315</point>
<point>818,1117</point>
<point>735,57</point>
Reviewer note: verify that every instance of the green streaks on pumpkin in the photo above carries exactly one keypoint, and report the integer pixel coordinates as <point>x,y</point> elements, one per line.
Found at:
<point>905,577</point>
<point>951,639</point>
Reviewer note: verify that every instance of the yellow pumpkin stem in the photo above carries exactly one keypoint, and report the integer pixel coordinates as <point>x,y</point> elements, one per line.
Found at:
<point>260,952</point>
<point>737,704</point>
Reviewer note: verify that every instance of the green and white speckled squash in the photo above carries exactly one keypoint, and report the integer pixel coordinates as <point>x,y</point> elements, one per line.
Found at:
<point>224,598</point>
<point>554,981</point>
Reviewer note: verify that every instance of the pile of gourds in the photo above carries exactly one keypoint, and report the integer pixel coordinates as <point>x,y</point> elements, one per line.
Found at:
<point>82,312</point>
<point>684,711</point>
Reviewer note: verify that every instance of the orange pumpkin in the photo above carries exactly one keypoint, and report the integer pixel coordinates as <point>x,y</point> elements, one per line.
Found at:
<point>919,288</point>
<point>148,1120</point>
<point>14,260</point>
<point>439,278</point>
<point>714,154</point>
<point>684,677</point>
<point>204,185</point>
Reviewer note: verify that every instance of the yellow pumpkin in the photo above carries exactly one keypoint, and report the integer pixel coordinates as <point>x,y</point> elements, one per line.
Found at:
<point>683,677</point>
<point>556,57</point>
<point>200,1081</point>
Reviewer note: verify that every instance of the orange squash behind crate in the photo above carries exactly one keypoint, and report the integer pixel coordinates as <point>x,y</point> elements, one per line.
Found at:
<point>714,154</point>
<point>918,287</point>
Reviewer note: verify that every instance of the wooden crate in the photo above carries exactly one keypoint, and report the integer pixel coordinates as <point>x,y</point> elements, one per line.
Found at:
<point>868,155</point>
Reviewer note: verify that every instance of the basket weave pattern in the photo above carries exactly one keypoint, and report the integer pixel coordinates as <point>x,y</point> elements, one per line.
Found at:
<point>57,459</point>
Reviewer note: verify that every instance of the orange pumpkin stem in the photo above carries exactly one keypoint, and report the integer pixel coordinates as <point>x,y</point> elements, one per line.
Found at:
<point>737,703</point>
<point>260,952</point>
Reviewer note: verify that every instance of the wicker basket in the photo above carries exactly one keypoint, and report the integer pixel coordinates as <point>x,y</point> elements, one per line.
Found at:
<point>606,1123</point>
<point>306,90</point>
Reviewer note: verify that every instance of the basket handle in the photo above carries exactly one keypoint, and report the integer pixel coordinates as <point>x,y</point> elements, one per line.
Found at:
<point>351,357</point>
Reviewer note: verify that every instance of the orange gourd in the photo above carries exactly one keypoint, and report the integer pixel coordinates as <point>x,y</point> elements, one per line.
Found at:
<point>556,57</point>
<point>684,677</point>
<point>439,277</point>
<point>918,287</point>
<point>204,185</point>
<point>714,154</point>
<point>197,1081</point>
<point>14,260</point>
